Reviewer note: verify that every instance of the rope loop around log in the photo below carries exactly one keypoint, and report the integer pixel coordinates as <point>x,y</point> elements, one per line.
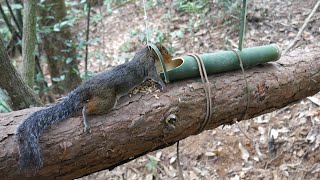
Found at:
<point>207,90</point>
<point>247,84</point>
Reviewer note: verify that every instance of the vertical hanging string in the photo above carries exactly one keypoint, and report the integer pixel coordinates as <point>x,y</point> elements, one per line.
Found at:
<point>87,40</point>
<point>241,38</point>
<point>167,79</point>
<point>242,25</point>
<point>145,21</point>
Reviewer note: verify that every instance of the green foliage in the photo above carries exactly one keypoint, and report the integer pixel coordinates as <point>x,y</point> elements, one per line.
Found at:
<point>36,87</point>
<point>96,18</point>
<point>76,11</point>
<point>196,6</point>
<point>178,33</point>
<point>108,5</point>
<point>154,35</point>
<point>4,30</point>
<point>16,6</point>
<point>87,75</point>
<point>3,105</point>
<point>59,26</point>
<point>5,33</point>
<point>230,12</point>
<point>125,47</point>
<point>228,4</point>
<point>58,79</point>
<point>152,164</point>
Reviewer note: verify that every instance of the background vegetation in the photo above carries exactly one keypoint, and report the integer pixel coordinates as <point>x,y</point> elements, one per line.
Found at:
<point>117,30</point>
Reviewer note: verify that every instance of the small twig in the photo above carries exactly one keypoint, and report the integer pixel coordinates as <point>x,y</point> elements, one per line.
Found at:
<point>302,157</point>
<point>266,166</point>
<point>308,170</point>
<point>236,122</point>
<point>297,38</point>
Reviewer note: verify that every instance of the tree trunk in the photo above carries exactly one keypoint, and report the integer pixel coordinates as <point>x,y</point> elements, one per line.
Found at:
<point>137,124</point>
<point>29,41</point>
<point>21,96</point>
<point>58,53</point>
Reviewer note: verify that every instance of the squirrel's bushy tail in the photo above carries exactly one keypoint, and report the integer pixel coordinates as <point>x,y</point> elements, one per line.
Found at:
<point>29,130</point>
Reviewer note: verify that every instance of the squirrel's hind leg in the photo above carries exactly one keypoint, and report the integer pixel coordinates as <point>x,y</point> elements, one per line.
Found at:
<point>86,124</point>
<point>98,104</point>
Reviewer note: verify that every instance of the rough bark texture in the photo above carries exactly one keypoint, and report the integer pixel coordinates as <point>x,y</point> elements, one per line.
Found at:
<point>21,96</point>
<point>54,45</point>
<point>29,41</point>
<point>135,127</point>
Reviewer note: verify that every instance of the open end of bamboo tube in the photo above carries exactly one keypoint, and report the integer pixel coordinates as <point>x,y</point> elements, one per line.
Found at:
<point>174,63</point>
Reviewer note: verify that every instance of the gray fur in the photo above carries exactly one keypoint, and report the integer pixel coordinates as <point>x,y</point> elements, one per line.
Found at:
<point>116,82</point>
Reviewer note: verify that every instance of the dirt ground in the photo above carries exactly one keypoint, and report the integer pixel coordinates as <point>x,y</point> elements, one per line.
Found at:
<point>241,151</point>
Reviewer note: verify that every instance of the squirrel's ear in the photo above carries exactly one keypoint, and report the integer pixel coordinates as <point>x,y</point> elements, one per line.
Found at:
<point>159,46</point>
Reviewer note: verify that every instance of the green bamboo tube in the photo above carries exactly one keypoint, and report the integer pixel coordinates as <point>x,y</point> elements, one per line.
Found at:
<point>186,67</point>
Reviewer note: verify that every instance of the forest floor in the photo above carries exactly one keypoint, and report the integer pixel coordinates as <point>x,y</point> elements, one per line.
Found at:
<point>225,152</point>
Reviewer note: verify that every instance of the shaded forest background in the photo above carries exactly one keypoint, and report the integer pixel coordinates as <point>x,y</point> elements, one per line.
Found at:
<point>117,31</point>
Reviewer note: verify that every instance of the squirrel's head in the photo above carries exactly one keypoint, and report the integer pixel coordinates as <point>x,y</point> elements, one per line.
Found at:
<point>149,59</point>
<point>164,52</point>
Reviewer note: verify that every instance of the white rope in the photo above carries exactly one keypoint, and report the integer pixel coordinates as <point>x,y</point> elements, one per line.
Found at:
<point>146,20</point>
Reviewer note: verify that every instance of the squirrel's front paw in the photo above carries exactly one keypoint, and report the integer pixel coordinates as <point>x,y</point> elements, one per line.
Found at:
<point>162,87</point>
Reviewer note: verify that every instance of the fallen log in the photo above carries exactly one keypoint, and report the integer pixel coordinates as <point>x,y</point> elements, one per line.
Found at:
<point>138,124</point>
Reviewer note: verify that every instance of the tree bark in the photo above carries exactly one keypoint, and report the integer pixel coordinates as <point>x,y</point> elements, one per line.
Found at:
<point>29,41</point>
<point>20,94</point>
<point>54,44</point>
<point>137,124</point>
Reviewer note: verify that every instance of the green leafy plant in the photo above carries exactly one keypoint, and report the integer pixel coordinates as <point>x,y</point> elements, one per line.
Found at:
<point>3,105</point>
<point>185,6</point>
<point>230,12</point>
<point>126,46</point>
<point>152,164</point>
<point>154,35</point>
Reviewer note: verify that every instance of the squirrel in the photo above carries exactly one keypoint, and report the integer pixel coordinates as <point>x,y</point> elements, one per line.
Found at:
<point>97,95</point>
